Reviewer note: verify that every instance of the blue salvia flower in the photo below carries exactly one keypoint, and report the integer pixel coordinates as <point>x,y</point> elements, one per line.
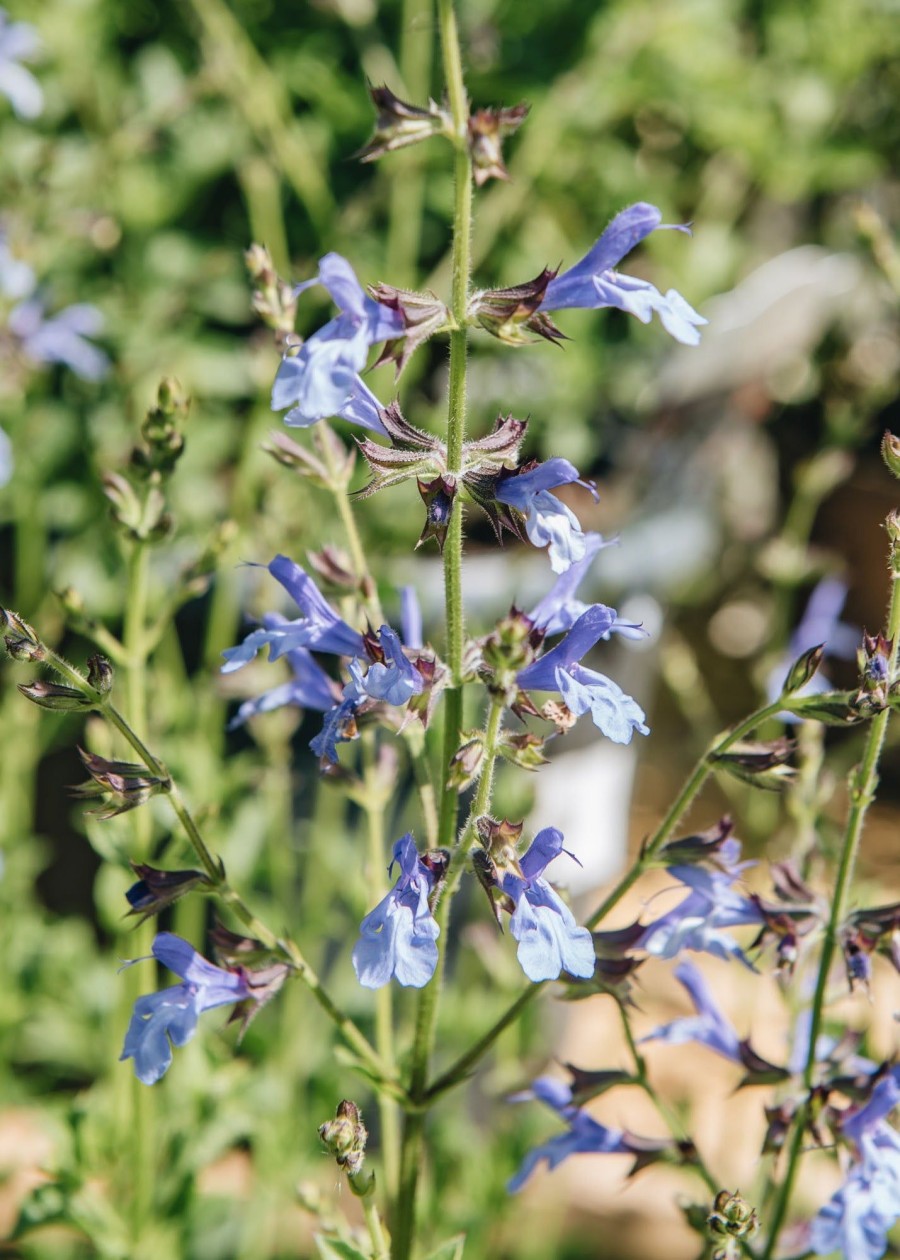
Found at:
<point>320,628</point>
<point>394,680</point>
<point>548,522</point>
<point>309,688</point>
<point>410,618</point>
<point>585,1135</point>
<point>559,609</point>
<point>583,690</point>
<point>361,407</point>
<point>323,377</point>
<point>594,282</point>
<point>550,941</point>
<point>708,1027</point>
<point>857,1219</point>
<point>19,42</point>
<point>397,938</point>
<point>169,1018</point>
<point>712,904</point>
<point>63,338</point>
<point>885,1097</point>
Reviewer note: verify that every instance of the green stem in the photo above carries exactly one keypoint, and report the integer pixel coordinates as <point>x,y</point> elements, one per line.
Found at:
<point>143,1173</point>
<point>863,783</point>
<point>380,1248</point>
<point>426,1018</point>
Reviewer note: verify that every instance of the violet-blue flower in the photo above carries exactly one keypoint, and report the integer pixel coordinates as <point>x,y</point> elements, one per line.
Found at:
<point>550,941</point>
<point>559,609</point>
<point>320,628</point>
<point>856,1221</point>
<point>395,679</point>
<point>593,282</point>
<point>712,904</point>
<point>309,688</point>
<point>548,522</point>
<point>323,376</point>
<point>583,690</point>
<point>63,338</point>
<point>169,1018</point>
<point>708,1027</point>
<point>410,617</point>
<point>585,1135</point>
<point>398,937</point>
<point>19,42</point>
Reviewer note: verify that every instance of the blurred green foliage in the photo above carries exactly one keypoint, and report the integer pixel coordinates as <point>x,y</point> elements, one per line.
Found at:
<point>175,133</point>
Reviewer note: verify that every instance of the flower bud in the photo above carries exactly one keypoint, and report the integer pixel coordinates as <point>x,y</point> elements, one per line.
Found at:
<point>466,762</point>
<point>120,785</point>
<point>508,314</point>
<point>53,696</point>
<point>100,674</point>
<point>156,889</point>
<point>890,452</point>
<point>22,642</point>
<point>346,1137</point>
<point>423,315</point>
<point>525,750</point>
<point>438,496</point>
<point>804,669</point>
<point>487,130</point>
<point>400,124</point>
<point>732,1216</point>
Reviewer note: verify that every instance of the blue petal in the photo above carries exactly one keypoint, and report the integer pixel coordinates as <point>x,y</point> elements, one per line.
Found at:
<point>613,712</point>
<point>590,627</point>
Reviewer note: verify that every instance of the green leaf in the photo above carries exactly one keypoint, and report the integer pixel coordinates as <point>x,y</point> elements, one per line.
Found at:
<point>452,1249</point>
<point>333,1248</point>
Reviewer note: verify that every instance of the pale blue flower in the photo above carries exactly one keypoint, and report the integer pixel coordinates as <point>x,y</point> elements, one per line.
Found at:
<point>593,282</point>
<point>885,1097</point>
<point>559,609</point>
<point>309,688</point>
<point>856,1221</point>
<point>397,938</point>
<point>410,617</point>
<point>19,42</point>
<point>63,338</point>
<point>169,1018</point>
<point>338,726</point>
<point>548,522</point>
<point>712,904</point>
<point>585,1135</point>
<point>550,941</point>
<point>320,628</point>
<point>583,690</point>
<point>394,680</point>
<point>322,378</point>
<point>708,1027</point>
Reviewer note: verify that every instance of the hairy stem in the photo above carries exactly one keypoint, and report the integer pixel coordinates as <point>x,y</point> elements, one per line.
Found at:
<point>411,1154</point>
